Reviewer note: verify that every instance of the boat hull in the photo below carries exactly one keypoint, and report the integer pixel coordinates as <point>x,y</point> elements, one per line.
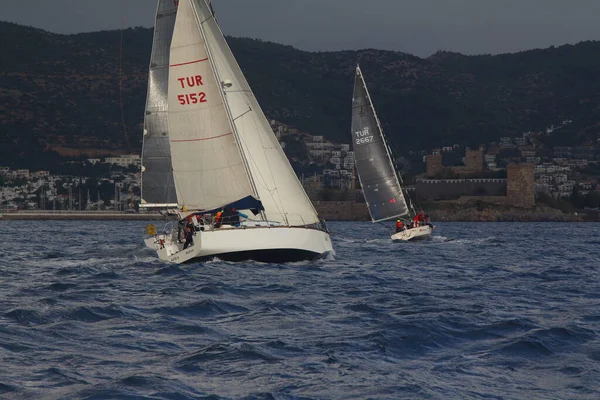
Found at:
<point>419,233</point>
<point>267,244</point>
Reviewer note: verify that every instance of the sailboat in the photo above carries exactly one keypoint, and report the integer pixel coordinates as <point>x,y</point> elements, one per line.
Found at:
<point>380,182</point>
<point>208,148</point>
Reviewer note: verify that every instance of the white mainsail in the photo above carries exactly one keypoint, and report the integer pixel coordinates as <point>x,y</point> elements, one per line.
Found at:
<point>208,168</point>
<point>278,188</point>
<point>158,188</point>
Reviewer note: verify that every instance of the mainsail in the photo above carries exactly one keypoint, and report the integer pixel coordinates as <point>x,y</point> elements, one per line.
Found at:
<point>158,187</point>
<point>275,182</point>
<point>376,172</point>
<point>208,168</point>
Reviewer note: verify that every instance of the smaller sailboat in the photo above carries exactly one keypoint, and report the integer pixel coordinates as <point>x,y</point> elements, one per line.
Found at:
<point>380,182</point>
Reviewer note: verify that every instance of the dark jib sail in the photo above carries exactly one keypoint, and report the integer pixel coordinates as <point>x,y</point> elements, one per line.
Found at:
<point>376,172</point>
<point>158,186</point>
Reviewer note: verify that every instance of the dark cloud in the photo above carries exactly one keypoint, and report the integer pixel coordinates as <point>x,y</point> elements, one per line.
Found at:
<point>419,27</point>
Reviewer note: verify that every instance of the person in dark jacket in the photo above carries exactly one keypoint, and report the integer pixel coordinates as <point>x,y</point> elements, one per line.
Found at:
<point>189,236</point>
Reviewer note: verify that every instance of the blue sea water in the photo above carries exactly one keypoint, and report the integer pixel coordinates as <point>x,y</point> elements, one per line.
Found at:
<point>481,311</point>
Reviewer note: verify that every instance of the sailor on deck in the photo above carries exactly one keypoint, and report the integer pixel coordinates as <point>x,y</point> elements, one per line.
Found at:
<point>418,219</point>
<point>400,226</point>
<point>189,236</point>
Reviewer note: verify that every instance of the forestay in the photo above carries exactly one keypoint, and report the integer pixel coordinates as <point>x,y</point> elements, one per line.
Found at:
<point>157,178</point>
<point>207,164</point>
<point>376,172</point>
<point>276,183</point>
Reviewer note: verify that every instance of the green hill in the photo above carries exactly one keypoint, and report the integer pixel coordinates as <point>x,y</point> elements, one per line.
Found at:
<point>67,91</point>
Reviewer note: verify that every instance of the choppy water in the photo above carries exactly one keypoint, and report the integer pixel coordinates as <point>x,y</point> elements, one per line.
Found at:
<point>482,311</point>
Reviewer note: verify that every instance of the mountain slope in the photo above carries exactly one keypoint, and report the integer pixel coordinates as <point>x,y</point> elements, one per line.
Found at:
<point>71,90</point>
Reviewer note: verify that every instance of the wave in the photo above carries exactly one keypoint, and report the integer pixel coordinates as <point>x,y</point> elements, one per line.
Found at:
<point>8,389</point>
<point>204,308</point>
<point>486,240</point>
<point>25,317</point>
<point>224,352</point>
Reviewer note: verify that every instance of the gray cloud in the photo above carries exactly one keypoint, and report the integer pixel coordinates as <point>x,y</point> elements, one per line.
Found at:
<point>419,27</point>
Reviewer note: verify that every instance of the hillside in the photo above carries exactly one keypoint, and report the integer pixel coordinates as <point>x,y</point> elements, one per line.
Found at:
<point>64,91</point>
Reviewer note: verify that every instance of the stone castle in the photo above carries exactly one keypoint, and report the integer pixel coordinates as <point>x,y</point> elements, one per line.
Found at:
<point>518,189</point>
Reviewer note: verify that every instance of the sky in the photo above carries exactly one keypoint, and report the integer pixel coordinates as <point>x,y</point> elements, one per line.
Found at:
<point>419,27</point>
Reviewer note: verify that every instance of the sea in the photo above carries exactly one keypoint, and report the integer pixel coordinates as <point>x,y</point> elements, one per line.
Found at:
<point>479,311</point>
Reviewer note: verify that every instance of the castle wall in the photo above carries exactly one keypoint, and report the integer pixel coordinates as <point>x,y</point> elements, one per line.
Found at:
<point>445,189</point>
<point>342,210</point>
<point>517,190</point>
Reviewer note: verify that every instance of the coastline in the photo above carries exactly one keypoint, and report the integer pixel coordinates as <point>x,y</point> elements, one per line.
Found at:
<point>78,215</point>
<point>464,215</point>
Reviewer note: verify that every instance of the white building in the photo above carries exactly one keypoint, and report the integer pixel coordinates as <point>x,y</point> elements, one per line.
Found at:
<point>560,178</point>
<point>125,160</point>
<point>546,179</point>
<point>22,173</point>
<point>40,174</point>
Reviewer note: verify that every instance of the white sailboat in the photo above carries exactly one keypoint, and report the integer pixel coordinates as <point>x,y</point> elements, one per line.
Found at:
<point>380,183</point>
<point>208,146</point>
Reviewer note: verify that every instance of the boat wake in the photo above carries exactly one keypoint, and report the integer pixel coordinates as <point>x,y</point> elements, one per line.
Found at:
<point>445,239</point>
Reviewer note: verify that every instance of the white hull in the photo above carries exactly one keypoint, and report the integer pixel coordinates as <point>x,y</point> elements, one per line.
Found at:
<point>270,244</point>
<point>421,232</point>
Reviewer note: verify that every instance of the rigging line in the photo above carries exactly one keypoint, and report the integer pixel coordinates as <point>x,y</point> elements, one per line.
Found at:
<point>121,83</point>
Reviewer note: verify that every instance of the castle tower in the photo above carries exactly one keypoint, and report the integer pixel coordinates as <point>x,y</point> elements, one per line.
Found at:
<point>520,188</point>
<point>474,160</point>
<point>433,163</point>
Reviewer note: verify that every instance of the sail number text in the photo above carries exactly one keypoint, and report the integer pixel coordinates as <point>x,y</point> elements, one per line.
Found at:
<point>363,136</point>
<point>191,98</point>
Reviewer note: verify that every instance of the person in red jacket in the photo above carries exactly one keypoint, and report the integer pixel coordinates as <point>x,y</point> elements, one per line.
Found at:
<point>400,226</point>
<point>418,219</point>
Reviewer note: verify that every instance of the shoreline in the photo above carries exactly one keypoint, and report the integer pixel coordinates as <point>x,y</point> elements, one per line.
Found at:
<point>436,217</point>
<point>78,215</point>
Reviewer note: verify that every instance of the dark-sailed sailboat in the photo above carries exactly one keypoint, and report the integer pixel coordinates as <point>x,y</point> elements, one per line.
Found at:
<point>380,182</point>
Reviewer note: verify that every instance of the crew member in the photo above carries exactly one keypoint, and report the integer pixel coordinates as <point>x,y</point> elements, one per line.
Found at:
<point>426,220</point>
<point>418,219</point>
<point>236,218</point>
<point>400,226</point>
<point>189,236</point>
<point>218,219</point>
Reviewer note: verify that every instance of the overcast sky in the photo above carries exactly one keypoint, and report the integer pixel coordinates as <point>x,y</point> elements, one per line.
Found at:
<point>419,27</point>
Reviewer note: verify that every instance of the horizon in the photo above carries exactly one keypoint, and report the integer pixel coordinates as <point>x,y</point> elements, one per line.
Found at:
<point>467,27</point>
<point>314,51</point>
